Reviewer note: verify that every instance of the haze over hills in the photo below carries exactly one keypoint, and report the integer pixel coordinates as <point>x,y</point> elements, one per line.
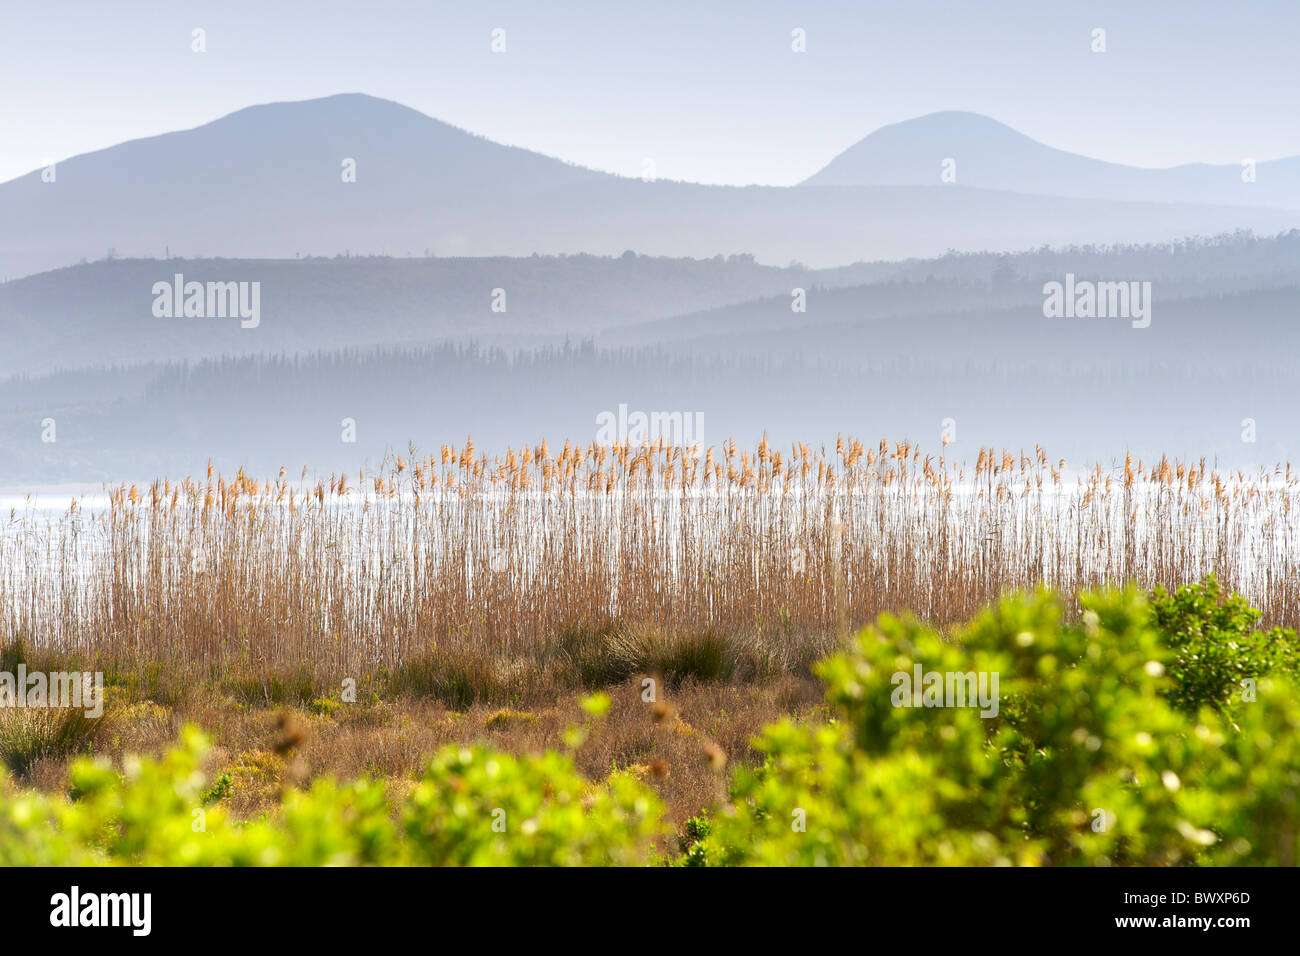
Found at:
<point>1214,301</point>
<point>259,413</point>
<point>987,154</point>
<point>882,349</point>
<point>102,312</point>
<point>268,182</point>
<point>910,300</point>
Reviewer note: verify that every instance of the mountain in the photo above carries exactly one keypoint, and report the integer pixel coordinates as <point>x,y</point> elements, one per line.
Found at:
<point>268,182</point>
<point>987,154</point>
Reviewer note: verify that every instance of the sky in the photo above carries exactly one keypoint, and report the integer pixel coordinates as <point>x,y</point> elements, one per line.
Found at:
<point>711,92</point>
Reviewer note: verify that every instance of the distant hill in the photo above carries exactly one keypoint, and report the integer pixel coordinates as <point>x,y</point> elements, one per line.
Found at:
<point>1216,301</point>
<point>268,182</point>
<point>101,313</point>
<point>987,154</point>
<point>962,324</point>
<point>882,349</point>
<point>1230,302</point>
<point>972,307</point>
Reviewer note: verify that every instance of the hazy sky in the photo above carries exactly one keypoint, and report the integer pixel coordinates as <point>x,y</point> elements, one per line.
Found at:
<point>711,91</point>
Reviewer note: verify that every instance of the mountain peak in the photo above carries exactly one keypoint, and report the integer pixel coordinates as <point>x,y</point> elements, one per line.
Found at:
<point>952,120</point>
<point>336,104</point>
<point>915,151</point>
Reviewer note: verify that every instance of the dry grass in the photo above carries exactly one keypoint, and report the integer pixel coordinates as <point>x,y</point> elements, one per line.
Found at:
<point>29,736</point>
<point>475,580</point>
<point>672,747</point>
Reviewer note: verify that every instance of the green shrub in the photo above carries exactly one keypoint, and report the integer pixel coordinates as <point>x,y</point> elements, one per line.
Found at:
<point>295,686</point>
<point>610,654</point>
<point>1086,762</point>
<point>472,806</point>
<point>1217,649</point>
<point>691,843</point>
<point>325,706</point>
<point>13,654</point>
<point>590,654</point>
<point>675,655</point>
<point>476,807</point>
<point>458,678</point>
<point>507,717</point>
<point>222,788</point>
<point>31,734</point>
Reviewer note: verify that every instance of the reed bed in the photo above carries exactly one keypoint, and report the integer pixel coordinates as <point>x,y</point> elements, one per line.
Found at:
<point>496,577</point>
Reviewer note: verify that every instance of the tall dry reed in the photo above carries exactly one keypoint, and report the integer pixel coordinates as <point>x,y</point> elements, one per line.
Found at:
<point>521,558</point>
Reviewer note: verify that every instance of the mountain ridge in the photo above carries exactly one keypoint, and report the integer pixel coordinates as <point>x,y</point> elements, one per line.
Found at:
<point>915,151</point>
<point>273,181</point>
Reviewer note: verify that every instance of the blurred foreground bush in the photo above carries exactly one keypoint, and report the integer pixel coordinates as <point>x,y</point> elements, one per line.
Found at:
<point>1112,745</point>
